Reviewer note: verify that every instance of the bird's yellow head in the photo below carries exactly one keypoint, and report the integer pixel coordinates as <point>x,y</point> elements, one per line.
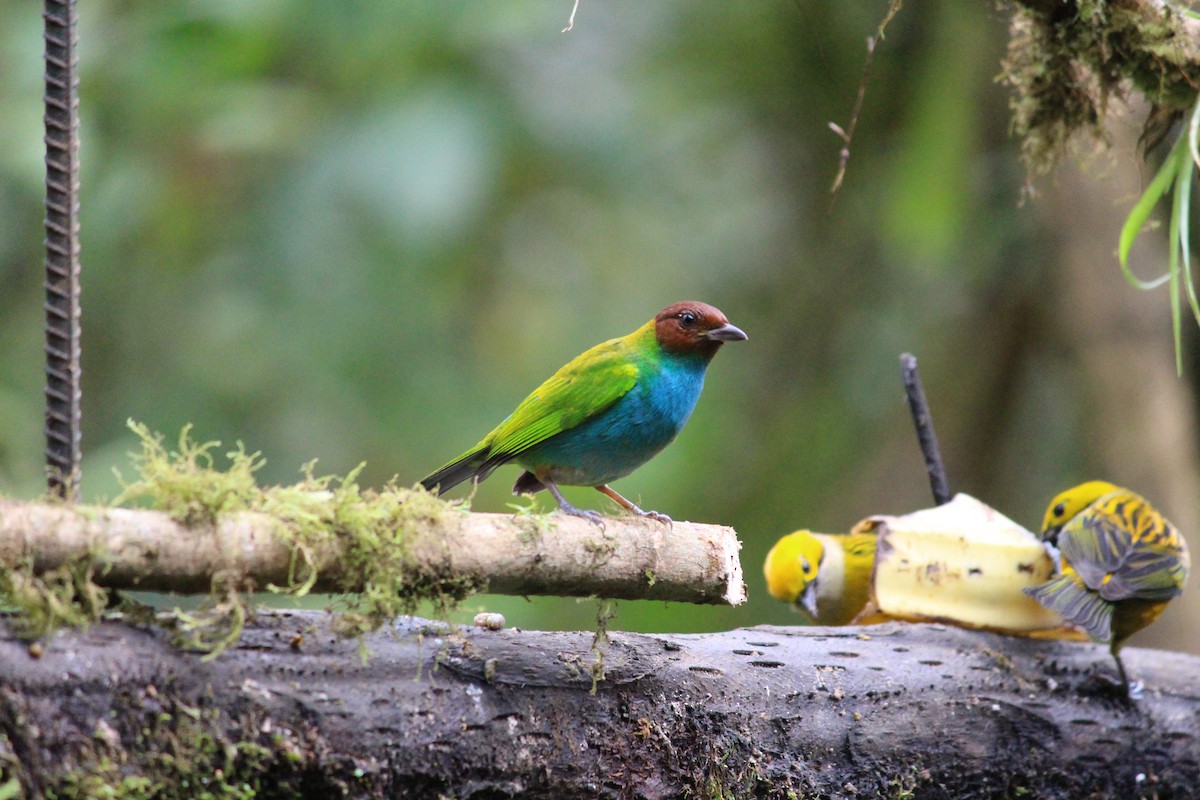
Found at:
<point>1069,503</point>
<point>791,570</point>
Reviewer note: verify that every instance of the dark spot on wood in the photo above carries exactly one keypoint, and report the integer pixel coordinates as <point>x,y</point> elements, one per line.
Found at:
<point>766,663</point>
<point>930,662</point>
<point>747,652</point>
<point>843,654</point>
<point>763,644</point>
<point>1084,722</point>
<point>706,670</point>
<point>972,571</point>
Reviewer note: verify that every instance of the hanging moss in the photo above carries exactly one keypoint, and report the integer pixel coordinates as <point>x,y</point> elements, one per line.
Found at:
<point>66,597</point>
<point>1067,61</point>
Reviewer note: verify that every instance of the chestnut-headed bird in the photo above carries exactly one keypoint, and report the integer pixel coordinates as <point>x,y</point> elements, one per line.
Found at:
<point>604,414</point>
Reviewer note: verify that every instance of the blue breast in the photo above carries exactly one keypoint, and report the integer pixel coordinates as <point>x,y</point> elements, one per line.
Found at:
<point>629,433</point>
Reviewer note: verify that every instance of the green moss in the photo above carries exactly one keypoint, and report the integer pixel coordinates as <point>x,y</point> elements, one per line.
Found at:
<point>64,597</point>
<point>10,771</point>
<point>371,529</point>
<point>183,753</point>
<point>534,524</point>
<point>1065,66</point>
<point>375,531</point>
<point>606,612</point>
<point>185,483</point>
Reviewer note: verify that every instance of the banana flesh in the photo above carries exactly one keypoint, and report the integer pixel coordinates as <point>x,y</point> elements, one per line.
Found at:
<point>962,562</point>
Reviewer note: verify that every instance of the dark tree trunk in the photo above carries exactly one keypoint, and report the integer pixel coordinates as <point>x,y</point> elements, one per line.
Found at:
<point>887,711</point>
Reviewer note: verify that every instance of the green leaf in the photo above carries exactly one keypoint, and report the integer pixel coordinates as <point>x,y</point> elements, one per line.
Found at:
<point>1178,224</point>
<point>1141,212</point>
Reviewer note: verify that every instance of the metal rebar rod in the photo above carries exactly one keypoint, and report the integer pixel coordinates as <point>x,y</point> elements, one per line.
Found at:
<point>62,249</point>
<point>926,438</point>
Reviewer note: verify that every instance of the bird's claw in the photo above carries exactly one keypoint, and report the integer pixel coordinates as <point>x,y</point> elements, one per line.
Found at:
<point>591,516</point>
<point>1114,688</point>
<point>654,515</point>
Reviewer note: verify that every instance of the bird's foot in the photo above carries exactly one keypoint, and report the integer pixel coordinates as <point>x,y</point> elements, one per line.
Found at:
<point>1114,688</point>
<point>591,516</point>
<point>623,503</point>
<point>654,515</point>
<point>566,508</point>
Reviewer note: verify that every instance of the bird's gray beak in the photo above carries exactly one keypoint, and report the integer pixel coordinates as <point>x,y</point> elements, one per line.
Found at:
<point>727,333</point>
<point>808,600</point>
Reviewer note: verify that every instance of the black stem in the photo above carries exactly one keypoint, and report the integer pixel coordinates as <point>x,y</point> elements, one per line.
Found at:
<point>924,424</point>
<point>62,249</point>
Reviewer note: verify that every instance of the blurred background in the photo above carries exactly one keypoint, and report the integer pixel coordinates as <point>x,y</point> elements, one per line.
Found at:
<point>364,231</point>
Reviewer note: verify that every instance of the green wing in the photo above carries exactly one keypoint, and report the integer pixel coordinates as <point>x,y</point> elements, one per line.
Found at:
<point>1068,597</point>
<point>1102,550</point>
<point>586,386</point>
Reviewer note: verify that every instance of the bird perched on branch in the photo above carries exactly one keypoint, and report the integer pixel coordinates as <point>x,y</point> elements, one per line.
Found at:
<point>1121,563</point>
<point>828,576</point>
<point>605,413</point>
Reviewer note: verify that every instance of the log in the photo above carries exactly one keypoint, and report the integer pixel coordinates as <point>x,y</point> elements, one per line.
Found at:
<point>896,710</point>
<point>500,553</point>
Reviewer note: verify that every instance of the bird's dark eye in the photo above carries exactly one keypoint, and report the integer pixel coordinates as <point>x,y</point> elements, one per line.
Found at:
<point>687,319</point>
<point>1060,509</point>
<point>804,565</point>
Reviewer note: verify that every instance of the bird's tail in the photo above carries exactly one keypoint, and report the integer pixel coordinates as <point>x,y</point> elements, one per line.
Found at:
<point>471,464</point>
<point>1070,599</point>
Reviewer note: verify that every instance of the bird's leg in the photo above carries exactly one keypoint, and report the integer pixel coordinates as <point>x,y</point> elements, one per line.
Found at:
<point>567,508</point>
<point>1133,690</point>
<point>621,501</point>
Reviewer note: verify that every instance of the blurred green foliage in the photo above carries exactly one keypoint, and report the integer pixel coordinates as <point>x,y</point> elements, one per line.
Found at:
<point>364,231</point>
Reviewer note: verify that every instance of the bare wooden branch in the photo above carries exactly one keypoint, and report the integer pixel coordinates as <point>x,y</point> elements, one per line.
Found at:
<point>896,710</point>
<point>631,558</point>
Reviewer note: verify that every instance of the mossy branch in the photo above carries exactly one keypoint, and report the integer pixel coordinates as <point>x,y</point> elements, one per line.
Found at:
<point>382,551</point>
<point>446,550</point>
